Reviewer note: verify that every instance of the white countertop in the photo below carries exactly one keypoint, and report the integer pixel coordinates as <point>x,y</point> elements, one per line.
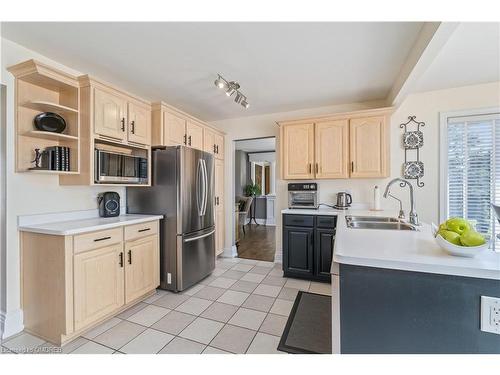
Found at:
<point>71,227</point>
<point>401,250</point>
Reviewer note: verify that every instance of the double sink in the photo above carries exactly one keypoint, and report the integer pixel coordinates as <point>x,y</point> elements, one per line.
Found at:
<point>374,222</point>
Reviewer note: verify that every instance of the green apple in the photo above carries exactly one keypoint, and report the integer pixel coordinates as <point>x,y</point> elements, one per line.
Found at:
<point>443,226</point>
<point>450,236</point>
<point>457,225</point>
<point>472,238</point>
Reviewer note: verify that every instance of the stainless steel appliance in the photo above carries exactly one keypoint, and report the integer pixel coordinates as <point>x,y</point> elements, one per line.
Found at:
<point>120,168</point>
<point>304,195</point>
<point>344,201</point>
<point>182,190</point>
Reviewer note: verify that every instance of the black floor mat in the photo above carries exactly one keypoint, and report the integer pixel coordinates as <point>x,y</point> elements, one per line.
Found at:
<point>309,326</point>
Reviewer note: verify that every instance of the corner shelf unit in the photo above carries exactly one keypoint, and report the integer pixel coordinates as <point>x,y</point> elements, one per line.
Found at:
<point>41,88</point>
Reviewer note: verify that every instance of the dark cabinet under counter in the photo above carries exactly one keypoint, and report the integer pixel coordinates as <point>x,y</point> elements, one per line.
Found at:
<point>308,246</point>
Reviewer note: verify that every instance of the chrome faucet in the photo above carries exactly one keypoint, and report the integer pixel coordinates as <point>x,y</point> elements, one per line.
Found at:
<point>413,214</point>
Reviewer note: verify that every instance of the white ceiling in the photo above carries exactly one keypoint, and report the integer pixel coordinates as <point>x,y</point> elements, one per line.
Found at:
<point>470,56</point>
<point>256,145</point>
<point>280,66</point>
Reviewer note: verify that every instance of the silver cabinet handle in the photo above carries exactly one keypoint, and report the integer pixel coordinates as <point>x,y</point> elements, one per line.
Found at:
<point>200,237</point>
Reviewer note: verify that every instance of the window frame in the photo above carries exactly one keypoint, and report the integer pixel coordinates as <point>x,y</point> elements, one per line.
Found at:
<point>443,151</point>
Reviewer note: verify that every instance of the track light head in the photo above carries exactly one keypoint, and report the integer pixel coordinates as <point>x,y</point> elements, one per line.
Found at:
<point>230,91</point>
<point>238,97</point>
<point>244,103</point>
<point>231,87</point>
<point>220,83</point>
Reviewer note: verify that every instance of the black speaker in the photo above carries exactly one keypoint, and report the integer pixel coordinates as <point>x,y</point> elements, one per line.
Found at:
<point>109,204</point>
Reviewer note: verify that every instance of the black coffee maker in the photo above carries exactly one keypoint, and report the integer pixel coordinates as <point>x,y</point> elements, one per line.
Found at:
<point>109,204</point>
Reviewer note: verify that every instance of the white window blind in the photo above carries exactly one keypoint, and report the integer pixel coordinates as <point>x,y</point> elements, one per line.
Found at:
<point>474,170</point>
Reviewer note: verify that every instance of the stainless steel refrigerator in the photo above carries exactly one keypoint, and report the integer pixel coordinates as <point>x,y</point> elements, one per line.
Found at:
<point>183,192</point>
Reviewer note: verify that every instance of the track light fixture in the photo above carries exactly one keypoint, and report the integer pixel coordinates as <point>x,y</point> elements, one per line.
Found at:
<point>230,88</point>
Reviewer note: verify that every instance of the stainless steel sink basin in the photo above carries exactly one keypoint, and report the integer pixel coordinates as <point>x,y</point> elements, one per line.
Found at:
<point>385,223</point>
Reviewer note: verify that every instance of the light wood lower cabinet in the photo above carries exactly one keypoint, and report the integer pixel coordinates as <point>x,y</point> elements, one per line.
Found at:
<point>219,206</point>
<point>72,283</point>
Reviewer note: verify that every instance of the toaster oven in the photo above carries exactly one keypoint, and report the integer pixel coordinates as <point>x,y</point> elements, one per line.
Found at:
<point>303,195</point>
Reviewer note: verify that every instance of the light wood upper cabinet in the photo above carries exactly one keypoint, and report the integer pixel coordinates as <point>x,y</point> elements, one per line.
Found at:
<point>368,147</point>
<point>110,115</point>
<point>297,142</point>
<point>194,133</point>
<point>142,267</point>
<point>331,149</point>
<point>139,124</point>
<point>175,129</point>
<point>98,288</point>
<point>209,141</point>
<point>219,146</point>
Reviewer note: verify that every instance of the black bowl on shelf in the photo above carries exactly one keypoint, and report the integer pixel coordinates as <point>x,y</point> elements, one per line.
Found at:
<point>49,122</point>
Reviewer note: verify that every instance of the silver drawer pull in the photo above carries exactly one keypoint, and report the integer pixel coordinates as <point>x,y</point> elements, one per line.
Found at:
<point>102,239</point>
<point>144,230</point>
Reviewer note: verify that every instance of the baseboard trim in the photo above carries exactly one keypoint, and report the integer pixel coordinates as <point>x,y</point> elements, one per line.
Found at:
<point>267,223</point>
<point>11,323</point>
<point>231,252</point>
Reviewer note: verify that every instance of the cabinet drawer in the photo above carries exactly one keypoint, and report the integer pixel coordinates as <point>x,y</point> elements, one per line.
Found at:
<point>94,240</point>
<point>135,231</point>
<point>328,222</point>
<point>299,220</point>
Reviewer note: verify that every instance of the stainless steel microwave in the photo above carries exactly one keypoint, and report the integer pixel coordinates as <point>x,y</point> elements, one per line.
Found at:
<point>112,167</point>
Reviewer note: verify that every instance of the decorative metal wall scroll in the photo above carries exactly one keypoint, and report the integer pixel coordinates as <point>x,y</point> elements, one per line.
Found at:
<point>412,142</point>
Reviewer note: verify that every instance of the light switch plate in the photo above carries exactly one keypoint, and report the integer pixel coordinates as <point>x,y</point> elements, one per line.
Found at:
<point>490,314</point>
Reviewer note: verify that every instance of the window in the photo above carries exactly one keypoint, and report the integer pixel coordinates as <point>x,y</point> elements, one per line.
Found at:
<point>470,179</point>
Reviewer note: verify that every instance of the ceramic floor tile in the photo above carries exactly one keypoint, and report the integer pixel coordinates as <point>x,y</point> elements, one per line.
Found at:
<point>73,345</point>
<point>159,293</point>
<point>233,339</point>
<point>208,280</point>
<point>211,293</point>
<point>321,288</point>
<point>281,307</point>
<point>253,277</point>
<point>258,302</point>
<point>134,309</point>
<point>288,293</point>
<point>264,344</point>
<point>242,267</point>
<point>202,330</point>
<point>223,265</point>
<point>23,343</point>
<point>193,290</point>
<point>101,328</point>
<point>230,260</point>
<point>244,286</point>
<point>211,350</point>
<point>219,311</point>
<point>194,306</point>
<point>171,301</point>
<point>248,261</point>
<point>233,297</point>
<point>235,275</point>
<point>298,284</point>
<point>182,346</point>
<point>148,342</point>
<point>218,271</point>
<point>267,290</point>
<point>273,280</point>
<point>120,334</point>
<point>273,324</point>
<point>260,270</point>
<point>277,272</point>
<point>222,282</point>
<point>92,348</point>
<point>247,318</point>
<point>148,315</point>
<point>174,322</point>
<point>262,263</point>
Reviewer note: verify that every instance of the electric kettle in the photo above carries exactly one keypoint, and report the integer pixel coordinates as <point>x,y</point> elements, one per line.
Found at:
<point>344,201</point>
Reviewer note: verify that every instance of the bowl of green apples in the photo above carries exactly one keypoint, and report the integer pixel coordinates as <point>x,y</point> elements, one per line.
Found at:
<point>457,236</point>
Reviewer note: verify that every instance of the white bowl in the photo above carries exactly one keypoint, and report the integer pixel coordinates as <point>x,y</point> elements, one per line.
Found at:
<point>461,251</point>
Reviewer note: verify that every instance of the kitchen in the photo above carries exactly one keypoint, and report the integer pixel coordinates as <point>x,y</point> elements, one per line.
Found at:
<point>106,270</point>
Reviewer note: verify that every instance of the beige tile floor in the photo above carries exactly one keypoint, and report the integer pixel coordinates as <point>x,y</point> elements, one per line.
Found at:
<point>241,308</point>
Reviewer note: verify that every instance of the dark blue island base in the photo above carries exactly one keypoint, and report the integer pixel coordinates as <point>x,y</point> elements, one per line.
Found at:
<point>391,311</point>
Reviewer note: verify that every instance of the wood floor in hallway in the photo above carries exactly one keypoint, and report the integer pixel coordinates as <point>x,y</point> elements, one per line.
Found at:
<point>259,243</point>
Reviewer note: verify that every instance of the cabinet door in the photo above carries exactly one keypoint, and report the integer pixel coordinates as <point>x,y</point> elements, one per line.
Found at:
<point>297,144</point>
<point>219,146</point>
<point>219,205</point>
<point>110,112</point>
<point>298,252</point>
<point>369,147</point>
<point>209,141</point>
<point>331,149</point>
<point>175,129</point>
<point>219,230</point>
<point>323,250</point>
<point>139,128</point>
<point>194,135</point>
<point>98,284</point>
<point>142,267</point>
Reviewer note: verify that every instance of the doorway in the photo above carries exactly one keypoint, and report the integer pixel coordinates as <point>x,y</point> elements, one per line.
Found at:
<point>255,198</point>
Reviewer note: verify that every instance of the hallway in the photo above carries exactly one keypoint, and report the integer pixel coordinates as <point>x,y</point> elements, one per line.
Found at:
<point>259,243</point>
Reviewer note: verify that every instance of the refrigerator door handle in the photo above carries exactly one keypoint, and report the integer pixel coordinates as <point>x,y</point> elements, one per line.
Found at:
<point>200,184</point>
<point>200,237</point>
<point>205,184</point>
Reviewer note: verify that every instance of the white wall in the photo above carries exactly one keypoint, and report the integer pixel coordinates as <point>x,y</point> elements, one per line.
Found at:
<point>426,106</point>
<point>29,193</point>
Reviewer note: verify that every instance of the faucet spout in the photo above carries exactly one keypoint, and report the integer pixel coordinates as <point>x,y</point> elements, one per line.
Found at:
<point>413,213</point>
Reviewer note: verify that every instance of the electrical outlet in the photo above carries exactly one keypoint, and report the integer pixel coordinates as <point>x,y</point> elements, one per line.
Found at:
<point>490,314</point>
